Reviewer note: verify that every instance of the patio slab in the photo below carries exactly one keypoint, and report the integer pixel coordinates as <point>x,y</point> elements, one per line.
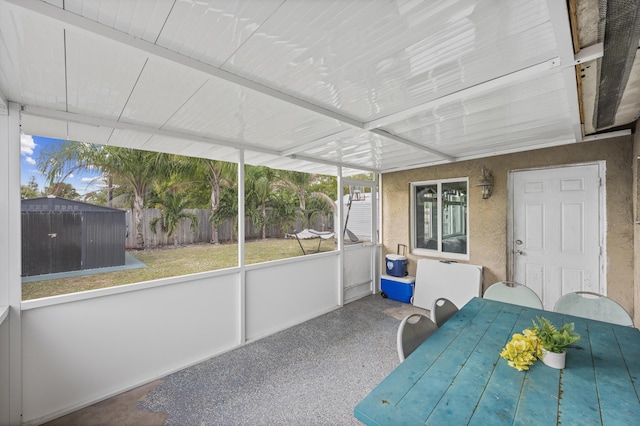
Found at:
<point>313,373</point>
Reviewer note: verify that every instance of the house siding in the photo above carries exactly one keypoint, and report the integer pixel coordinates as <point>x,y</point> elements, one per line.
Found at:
<point>636,226</point>
<point>488,218</point>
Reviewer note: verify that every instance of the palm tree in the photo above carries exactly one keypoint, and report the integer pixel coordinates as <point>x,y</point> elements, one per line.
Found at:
<point>317,206</point>
<point>258,188</point>
<point>137,168</point>
<point>227,209</point>
<point>172,206</point>
<point>299,182</point>
<point>284,210</point>
<point>217,175</point>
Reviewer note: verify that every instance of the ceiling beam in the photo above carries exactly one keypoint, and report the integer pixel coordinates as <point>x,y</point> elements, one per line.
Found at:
<point>112,124</point>
<point>111,34</point>
<point>380,132</point>
<point>334,163</point>
<point>589,54</point>
<point>315,143</point>
<point>396,138</point>
<point>606,135</point>
<point>559,16</point>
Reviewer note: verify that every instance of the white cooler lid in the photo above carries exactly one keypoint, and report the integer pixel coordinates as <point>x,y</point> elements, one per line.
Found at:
<point>396,257</point>
<point>407,279</point>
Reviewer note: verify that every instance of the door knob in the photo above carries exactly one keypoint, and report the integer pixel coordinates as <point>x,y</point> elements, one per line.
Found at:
<point>518,252</point>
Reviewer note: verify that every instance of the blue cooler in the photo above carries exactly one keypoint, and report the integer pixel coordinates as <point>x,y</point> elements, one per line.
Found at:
<point>396,288</point>
<point>396,265</point>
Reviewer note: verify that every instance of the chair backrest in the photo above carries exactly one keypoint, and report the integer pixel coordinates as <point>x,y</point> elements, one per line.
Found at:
<point>511,292</point>
<point>414,329</point>
<point>441,310</point>
<point>595,306</point>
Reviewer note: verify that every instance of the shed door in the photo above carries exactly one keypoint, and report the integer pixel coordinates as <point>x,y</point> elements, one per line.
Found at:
<point>557,228</point>
<point>51,242</point>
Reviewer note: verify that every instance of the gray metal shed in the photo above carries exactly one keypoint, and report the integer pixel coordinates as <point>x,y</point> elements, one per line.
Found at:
<point>60,235</point>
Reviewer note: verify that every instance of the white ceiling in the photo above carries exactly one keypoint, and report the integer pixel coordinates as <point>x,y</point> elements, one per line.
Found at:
<point>369,85</point>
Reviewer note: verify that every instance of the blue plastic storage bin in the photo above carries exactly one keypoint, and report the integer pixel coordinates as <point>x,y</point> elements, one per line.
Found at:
<point>397,288</point>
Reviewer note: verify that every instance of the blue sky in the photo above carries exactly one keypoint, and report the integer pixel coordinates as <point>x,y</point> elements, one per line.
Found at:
<point>30,147</point>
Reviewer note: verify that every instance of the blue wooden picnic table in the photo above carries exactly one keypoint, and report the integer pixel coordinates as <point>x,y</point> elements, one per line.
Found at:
<point>457,376</point>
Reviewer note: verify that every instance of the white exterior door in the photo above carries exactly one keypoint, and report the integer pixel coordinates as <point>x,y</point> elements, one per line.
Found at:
<point>557,231</point>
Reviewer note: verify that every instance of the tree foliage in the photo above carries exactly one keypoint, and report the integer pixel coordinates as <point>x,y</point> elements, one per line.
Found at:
<point>61,189</point>
<point>227,210</point>
<point>135,167</point>
<point>172,206</point>
<point>272,197</point>
<point>30,190</point>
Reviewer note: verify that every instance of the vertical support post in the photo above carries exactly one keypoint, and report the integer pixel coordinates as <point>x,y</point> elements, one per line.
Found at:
<point>241,248</point>
<point>380,259</point>
<point>374,234</point>
<point>10,268</point>
<point>339,235</point>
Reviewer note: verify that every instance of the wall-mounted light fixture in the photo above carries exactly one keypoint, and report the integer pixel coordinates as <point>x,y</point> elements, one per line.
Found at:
<point>486,183</point>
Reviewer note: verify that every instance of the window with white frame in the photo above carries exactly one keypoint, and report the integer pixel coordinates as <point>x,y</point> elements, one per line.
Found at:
<point>439,218</point>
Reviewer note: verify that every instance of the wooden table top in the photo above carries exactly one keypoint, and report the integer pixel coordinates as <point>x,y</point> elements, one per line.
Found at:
<point>457,376</point>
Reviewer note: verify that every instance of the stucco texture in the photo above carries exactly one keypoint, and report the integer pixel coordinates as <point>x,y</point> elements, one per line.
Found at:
<point>488,218</point>
<point>636,226</point>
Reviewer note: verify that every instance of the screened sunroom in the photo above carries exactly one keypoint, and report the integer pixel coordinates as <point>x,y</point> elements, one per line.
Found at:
<point>425,97</point>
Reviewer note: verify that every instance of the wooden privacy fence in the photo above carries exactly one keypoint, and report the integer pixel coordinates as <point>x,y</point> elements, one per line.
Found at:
<point>204,232</point>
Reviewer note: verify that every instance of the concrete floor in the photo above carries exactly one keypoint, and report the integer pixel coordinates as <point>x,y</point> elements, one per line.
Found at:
<point>122,410</point>
<point>312,374</point>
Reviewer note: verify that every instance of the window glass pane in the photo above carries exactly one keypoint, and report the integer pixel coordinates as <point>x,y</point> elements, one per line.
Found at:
<point>454,217</point>
<point>426,216</point>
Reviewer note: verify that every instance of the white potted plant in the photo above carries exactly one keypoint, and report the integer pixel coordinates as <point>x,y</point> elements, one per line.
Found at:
<point>554,341</point>
<point>544,341</point>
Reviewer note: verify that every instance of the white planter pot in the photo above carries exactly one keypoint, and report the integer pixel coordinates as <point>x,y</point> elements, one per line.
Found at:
<point>553,359</point>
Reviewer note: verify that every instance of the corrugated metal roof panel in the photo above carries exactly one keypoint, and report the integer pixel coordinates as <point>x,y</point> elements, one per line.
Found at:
<point>32,55</point>
<point>141,18</point>
<point>225,110</point>
<point>370,59</point>
<point>210,31</point>
<point>441,75</point>
<point>100,75</point>
<point>147,104</point>
<point>516,111</point>
<point>368,150</point>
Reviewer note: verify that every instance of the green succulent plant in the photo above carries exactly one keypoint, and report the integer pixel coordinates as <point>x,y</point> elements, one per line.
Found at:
<point>551,338</point>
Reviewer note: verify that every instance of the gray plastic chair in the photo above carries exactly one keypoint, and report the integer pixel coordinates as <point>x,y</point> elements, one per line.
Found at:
<point>441,310</point>
<point>512,292</point>
<point>594,306</point>
<point>413,331</point>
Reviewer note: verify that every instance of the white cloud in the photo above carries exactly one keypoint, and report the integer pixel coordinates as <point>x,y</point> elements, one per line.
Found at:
<point>30,160</point>
<point>27,145</point>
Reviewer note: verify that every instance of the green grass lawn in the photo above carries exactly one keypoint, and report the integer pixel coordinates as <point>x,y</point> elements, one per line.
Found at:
<point>170,262</point>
